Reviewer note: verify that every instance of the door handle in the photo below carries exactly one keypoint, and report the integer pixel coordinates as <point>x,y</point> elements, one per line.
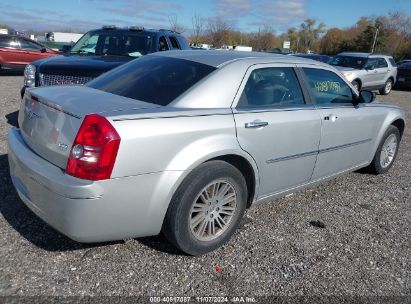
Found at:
<point>331,117</point>
<point>256,124</point>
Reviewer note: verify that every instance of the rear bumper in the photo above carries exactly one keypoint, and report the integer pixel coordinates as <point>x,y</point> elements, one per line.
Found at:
<point>88,211</point>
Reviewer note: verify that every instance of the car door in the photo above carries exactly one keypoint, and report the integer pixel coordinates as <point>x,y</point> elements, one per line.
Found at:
<point>277,126</point>
<point>347,130</point>
<point>382,71</point>
<point>371,77</point>
<point>9,51</point>
<point>31,51</point>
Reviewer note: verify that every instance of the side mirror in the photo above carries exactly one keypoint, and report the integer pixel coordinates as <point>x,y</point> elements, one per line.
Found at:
<point>366,96</point>
<point>370,68</point>
<point>43,50</point>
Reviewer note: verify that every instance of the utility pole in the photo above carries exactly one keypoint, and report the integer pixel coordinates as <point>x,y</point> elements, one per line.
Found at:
<point>375,39</point>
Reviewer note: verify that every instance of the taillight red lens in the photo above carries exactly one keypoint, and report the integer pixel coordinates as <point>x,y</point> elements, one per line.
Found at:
<point>94,150</point>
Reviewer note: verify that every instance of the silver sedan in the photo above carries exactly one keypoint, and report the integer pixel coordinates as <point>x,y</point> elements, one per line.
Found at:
<point>183,142</point>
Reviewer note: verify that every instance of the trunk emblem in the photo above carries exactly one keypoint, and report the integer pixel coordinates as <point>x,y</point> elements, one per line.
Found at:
<point>63,147</point>
<point>30,114</point>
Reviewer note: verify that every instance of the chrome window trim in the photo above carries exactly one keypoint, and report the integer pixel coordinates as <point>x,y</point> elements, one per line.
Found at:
<point>253,67</point>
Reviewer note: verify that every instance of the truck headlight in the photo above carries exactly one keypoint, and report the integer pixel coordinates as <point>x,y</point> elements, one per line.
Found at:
<point>30,76</point>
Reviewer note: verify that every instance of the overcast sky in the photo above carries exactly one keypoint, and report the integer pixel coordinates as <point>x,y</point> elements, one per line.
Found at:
<point>245,15</point>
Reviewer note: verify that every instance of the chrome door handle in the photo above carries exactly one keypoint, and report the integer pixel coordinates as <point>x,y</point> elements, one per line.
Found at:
<point>256,124</point>
<point>331,117</point>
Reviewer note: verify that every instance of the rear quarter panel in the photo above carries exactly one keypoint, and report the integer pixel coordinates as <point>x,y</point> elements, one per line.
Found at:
<point>173,143</point>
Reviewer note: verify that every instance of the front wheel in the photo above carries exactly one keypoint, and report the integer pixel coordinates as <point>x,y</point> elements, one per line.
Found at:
<point>386,152</point>
<point>387,88</point>
<point>207,208</point>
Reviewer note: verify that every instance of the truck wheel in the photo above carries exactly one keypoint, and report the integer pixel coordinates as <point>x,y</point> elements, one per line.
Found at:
<point>386,152</point>
<point>207,208</point>
<point>387,88</point>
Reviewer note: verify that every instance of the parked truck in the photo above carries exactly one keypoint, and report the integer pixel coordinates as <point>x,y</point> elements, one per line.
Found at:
<point>63,37</point>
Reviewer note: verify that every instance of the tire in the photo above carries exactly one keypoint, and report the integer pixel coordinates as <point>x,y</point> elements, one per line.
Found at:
<point>387,88</point>
<point>377,165</point>
<point>179,225</point>
<point>356,84</point>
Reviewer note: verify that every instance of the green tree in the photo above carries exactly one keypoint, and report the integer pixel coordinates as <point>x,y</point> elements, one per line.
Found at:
<point>332,41</point>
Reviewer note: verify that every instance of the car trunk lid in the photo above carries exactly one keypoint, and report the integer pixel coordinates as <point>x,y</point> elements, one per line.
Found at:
<point>50,118</point>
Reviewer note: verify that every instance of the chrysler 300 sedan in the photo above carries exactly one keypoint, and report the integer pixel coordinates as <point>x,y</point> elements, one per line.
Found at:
<point>183,142</point>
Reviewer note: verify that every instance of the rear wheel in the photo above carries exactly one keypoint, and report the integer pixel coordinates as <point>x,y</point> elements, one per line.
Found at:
<point>386,152</point>
<point>387,88</point>
<point>207,208</point>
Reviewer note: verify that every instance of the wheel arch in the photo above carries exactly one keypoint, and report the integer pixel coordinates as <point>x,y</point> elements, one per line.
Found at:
<point>246,169</point>
<point>400,124</point>
<point>396,120</point>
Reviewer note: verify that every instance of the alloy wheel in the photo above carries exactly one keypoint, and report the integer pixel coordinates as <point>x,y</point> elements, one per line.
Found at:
<point>212,210</point>
<point>388,151</point>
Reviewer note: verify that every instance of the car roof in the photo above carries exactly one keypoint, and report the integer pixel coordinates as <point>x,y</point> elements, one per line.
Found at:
<point>365,55</point>
<point>219,58</point>
<point>143,30</point>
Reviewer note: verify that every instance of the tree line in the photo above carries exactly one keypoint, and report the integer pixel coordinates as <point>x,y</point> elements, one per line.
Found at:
<point>394,35</point>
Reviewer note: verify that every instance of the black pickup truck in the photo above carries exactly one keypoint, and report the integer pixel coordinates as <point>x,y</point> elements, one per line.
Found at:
<point>99,51</point>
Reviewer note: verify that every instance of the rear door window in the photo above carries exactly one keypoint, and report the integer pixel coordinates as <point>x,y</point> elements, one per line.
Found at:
<point>153,79</point>
<point>162,44</point>
<point>382,63</point>
<point>174,42</point>
<point>276,86</point>
<point>327,87</point>
<point>372,63</point>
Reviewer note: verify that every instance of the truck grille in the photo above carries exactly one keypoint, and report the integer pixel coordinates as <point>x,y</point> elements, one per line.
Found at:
<point>50,79</point>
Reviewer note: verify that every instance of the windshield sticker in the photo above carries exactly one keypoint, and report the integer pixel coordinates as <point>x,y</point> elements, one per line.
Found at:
<point>326,86</point>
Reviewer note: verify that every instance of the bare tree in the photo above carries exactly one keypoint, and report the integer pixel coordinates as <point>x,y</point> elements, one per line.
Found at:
<point>219,31</point>
<point>198,27</point>
<point>174,25</point>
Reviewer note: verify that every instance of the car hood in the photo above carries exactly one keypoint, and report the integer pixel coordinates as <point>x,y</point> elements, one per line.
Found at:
<point>344,69</point>
<point>79,65</point>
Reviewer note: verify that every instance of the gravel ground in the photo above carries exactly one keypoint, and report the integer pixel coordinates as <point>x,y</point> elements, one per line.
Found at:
<point>363,250</point>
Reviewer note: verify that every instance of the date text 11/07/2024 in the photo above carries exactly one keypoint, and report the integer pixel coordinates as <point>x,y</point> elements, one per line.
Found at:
<point>203,299</point>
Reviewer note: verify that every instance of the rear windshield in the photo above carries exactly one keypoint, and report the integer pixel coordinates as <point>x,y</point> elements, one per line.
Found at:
<point>349,61</point>
<point>153,79</point>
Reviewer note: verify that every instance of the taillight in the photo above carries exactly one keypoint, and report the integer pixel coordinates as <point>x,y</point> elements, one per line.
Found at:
<point>94,150</point>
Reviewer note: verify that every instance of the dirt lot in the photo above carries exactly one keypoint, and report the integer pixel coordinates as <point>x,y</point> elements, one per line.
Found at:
<point>364,248</point>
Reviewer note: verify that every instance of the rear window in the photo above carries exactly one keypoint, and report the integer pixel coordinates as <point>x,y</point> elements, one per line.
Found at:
<point>152,79</point>
<point>392,61</point>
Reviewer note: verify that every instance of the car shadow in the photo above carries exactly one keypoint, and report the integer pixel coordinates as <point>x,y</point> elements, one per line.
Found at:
<point>11,73</point>
<point>12,118</point>
<point>40,234</point>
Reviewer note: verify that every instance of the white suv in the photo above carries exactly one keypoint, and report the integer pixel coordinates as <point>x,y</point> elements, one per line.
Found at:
<point>367,71</point>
